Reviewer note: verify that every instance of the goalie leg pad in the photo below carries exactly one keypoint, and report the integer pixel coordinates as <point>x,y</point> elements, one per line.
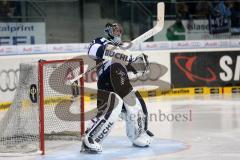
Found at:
<point>105,122</point>
<point>135,115</point>
<point>144,140</point>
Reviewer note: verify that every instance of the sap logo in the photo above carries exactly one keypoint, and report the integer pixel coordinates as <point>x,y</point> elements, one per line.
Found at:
<point>15,40</point>
<point>188,67</point>
<point>230,67</point>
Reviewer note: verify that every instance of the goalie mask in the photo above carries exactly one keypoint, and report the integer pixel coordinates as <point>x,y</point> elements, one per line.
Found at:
<point>114,32</point>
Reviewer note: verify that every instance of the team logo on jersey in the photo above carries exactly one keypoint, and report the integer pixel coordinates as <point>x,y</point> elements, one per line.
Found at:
<point>116,55</point>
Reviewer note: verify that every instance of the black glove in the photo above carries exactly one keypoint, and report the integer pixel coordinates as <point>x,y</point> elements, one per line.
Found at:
<point>138,64</point>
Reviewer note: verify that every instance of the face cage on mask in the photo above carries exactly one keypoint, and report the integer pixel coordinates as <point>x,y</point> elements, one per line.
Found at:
<point>113,38</point>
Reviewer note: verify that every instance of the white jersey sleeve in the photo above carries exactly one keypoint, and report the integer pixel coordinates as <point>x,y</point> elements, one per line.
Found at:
<point>97,48</point>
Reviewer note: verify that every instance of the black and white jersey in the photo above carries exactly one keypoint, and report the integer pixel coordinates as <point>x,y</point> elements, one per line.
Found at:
<point>96,51</point>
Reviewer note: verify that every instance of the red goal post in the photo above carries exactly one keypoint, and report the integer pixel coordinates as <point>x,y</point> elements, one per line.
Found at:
<point>42,90</point>
<point>46,107</point>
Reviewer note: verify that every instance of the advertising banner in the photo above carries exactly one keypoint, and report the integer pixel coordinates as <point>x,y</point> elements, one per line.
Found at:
<point>210,69</point>
<point>219,24</point>
<point>195,30</point>
<point>22,33</point>
<point>158,76</point>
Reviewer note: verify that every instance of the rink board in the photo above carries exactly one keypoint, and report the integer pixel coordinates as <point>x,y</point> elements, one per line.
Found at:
<point>159,54</point>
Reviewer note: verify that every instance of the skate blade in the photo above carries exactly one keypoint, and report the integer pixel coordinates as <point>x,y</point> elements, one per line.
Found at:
<point>146,146</point>
<point>88,150</point>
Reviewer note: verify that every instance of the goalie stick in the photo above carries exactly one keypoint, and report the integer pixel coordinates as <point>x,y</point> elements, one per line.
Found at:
<point>157,28</point>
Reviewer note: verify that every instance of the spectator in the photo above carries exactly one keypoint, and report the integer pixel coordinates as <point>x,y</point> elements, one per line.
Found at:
<point>220,9</point>
<point>182,10</point>
<point>5,9</point>
<point>203,9</point>
<point>191,7</point>
<point>176,31</point>
<point>183,13</point>
<point>235,18</point>
<point>219,18</point>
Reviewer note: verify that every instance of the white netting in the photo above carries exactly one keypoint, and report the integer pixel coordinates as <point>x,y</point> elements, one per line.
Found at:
<point>62,103</point>
<point>19,128</point>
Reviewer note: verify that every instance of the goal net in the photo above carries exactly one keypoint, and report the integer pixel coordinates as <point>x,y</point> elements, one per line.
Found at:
<point>46,106</point>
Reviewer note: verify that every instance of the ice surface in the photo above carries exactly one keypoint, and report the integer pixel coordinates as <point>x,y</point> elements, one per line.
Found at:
<point>211,131</point>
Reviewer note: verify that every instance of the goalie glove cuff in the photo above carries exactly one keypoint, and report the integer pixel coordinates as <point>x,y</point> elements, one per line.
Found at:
<point>138,64</point>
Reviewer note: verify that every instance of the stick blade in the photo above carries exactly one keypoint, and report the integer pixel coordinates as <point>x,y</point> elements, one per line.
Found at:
<point>157,28</point>
<point>160,14</point>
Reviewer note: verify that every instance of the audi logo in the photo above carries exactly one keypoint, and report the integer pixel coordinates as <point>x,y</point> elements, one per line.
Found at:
<point>8,80</point>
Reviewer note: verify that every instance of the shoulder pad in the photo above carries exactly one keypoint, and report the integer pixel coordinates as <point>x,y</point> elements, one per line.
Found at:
<point>101,40</point>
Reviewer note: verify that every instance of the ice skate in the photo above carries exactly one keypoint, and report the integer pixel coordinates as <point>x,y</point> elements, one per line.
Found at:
<point>90,146</point>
